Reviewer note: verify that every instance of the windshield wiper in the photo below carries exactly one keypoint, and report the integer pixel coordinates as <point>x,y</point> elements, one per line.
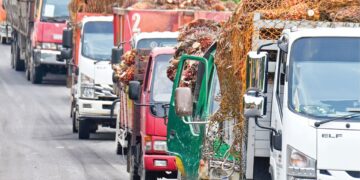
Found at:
<point>55,19</point>
<point>345,117</point>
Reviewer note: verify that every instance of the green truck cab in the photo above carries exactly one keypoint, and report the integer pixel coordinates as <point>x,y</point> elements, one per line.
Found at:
<point>191,107</point>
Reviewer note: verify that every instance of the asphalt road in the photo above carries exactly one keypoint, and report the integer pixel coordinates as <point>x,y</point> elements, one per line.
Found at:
<point>36,139</point>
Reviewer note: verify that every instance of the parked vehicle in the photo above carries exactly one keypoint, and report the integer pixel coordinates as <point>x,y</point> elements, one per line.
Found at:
<point>37,35</point>
<point>308,130</point>
<point>5,29</point>
<point>91,93</point>
<point>139,133</point>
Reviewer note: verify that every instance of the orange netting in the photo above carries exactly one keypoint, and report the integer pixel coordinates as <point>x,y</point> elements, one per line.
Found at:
<point>236,41</point>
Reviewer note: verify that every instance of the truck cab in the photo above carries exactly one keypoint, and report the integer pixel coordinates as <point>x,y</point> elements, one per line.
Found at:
<point>151,160</point>
<point>45,40</point>
<point>92,92</point>
<point>315,108</point>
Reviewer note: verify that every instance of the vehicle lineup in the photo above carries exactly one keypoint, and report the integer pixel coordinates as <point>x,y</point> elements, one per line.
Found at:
<point>187,90</point>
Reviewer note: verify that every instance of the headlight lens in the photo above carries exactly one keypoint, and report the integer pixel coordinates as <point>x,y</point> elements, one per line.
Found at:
<point>300,166</point>
<point>50,46</point>
<point>160,146</point>
<point>87,87</point>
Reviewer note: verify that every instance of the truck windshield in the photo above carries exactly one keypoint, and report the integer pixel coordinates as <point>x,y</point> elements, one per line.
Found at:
<point>98,40</point>
<point>324,76</point>
<point>156,42</point>
<point>55,10</point>
<point>162,86</point>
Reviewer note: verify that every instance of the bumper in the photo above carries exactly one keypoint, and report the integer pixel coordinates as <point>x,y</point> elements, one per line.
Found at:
<point>47,57</point>
<point>160,163</point>
<point>95,110</point>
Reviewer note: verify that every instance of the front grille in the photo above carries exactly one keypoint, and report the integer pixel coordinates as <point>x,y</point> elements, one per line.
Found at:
<point>106,98</point>
<point>106,107</point>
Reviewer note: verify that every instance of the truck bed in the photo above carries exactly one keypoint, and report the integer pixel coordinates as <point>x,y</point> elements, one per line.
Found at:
<point>20,15</point>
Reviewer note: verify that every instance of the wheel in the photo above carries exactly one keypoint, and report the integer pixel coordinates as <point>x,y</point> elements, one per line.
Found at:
<point>134,169</point>
<point>27,71</point>
<point>75,123</point>
<point>84,130</point>
<point>148,175</point>
<point>120,150</point>
<point>3,40</point>
<point>36,74</point>
<point>18,63</point>
<point>12,55</point>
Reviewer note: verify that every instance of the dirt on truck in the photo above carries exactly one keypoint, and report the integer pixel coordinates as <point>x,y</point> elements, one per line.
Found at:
<point>221,141</point>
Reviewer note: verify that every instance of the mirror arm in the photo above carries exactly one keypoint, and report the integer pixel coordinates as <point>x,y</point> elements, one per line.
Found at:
<point>264,45</point>
<point>263,127</point>
<point>113,107</point>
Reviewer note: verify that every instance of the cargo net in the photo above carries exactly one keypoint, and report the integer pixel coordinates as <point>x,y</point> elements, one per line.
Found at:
<point>241,35</point>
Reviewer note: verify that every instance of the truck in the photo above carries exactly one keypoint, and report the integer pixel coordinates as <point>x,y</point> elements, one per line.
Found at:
<point>5,29</point>
<point>89,56</point>
<point>304,120</point>
<point>148,158</point>
<point>141,131</point>
<point>37,36</point>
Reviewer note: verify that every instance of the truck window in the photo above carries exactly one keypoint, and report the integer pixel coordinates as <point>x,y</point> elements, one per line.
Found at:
<point>323,75</point>
<point>161,85</point>
<point>97,40</point>
<point>55,10</point>
<point>156,42</point>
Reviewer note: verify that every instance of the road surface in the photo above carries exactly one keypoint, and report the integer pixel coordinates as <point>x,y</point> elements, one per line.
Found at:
<point>36,137</point>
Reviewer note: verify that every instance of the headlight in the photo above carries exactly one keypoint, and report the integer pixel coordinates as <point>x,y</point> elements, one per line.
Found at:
<point>87,87</point>
<point>50,46</point>
<point>160,146</point>
<point>300,166</point>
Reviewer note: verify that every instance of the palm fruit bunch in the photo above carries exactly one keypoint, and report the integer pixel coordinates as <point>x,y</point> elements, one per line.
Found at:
<point>194,39</point>
<point>215,5</point>
<point>132,65</point>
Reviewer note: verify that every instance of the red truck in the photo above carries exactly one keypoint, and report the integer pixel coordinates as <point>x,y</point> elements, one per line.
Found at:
<point>37,36</point>
<point>141,126</point>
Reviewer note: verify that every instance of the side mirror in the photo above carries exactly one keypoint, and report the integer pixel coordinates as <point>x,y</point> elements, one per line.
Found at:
<point>116,55</point>
<point>134,90</point>
<point>255,105</point>
<point>67,38</point>
<point>257,67</point>
<point>65,54</point>
<point>183,101</point>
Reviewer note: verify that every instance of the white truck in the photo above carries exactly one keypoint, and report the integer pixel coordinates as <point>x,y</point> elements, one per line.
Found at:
<point>304,124</point>
<point>91,93</point>
<point>5,32</point>
<point>312,106</point>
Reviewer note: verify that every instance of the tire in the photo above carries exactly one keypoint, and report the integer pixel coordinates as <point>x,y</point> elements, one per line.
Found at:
<point>12,55</point>
<point>120,150</point>
<point>134,169</point>
<point>18,63</point>
<point>27,71</point>
<point>3,40</point>
<point>148,175</point>
<point>36,74</point>
<point>84,130</point>
<point>74,121</point>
